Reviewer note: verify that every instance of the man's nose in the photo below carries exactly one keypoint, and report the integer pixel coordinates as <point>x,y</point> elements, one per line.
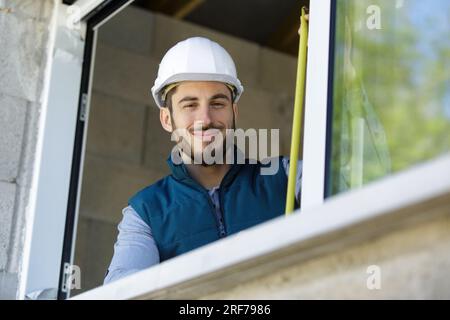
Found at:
<point>204,115</point>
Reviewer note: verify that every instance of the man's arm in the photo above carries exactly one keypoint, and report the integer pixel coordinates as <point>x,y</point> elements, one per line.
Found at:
<point>135,248</point>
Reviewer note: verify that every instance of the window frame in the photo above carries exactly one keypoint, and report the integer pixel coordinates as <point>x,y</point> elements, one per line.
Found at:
<point>94,13</point>
<point>318,172</point>
<point>59,242</point>
<point>55,189</point>
<point>44,228</point>
<point>317,102</point>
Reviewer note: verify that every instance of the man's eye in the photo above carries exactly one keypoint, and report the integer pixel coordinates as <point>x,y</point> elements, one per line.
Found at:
<point>189,105</point>
<point>217,105</point>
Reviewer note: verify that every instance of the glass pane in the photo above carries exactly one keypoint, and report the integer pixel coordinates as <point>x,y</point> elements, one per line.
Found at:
<point>391,88</point>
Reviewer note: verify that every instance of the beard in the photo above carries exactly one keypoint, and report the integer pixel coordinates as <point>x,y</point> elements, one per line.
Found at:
<point>201,152</point>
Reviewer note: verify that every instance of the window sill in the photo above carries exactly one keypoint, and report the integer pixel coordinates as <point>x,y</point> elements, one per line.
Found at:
<point>407,198</point>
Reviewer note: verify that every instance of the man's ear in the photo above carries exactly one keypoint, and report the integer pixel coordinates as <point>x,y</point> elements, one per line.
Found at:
<point>166,119</point>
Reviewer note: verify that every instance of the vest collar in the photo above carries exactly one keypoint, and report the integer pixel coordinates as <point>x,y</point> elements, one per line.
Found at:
<point>180,172</point>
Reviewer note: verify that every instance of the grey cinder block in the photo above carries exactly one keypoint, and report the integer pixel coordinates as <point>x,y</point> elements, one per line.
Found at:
<point>116,128</point>
<point>124,74</point>
<point>7,195</point>
<point>131,29</point>
<point>12,121</point>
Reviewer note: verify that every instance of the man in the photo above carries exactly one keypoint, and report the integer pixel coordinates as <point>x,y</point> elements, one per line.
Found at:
<point>197,91</point>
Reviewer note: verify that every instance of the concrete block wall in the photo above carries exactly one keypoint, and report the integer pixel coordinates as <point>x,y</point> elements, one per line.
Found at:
<point>126,146</point>
<point>24,41</point>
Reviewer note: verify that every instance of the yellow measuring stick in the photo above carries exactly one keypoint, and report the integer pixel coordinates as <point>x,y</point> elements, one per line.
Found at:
<point>298,112</point>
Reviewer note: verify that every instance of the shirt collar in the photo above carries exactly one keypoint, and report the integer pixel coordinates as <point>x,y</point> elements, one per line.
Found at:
<point>180,173</point>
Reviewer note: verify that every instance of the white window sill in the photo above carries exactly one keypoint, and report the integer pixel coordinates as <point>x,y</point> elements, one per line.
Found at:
<point>399,200</point>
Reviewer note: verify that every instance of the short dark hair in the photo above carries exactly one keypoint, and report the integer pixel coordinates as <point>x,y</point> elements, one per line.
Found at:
<point>168,100</point>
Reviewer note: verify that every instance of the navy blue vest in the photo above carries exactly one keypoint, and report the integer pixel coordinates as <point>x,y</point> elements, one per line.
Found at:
<point>181,214</point>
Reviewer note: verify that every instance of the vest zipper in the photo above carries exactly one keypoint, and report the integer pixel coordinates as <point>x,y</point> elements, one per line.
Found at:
<point>219,221</point>
<point>222,212</point>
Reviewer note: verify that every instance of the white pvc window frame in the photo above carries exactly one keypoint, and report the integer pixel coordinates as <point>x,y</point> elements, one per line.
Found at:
<point>316,104</point>
<point>46,222</point>
<point>87,8</point>
<point>46,212</point>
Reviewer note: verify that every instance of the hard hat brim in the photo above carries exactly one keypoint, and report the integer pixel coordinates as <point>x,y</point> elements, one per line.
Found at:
<point>158,87</point>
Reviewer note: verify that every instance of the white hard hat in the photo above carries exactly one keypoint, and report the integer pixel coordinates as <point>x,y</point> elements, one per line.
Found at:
<point>196,59</point>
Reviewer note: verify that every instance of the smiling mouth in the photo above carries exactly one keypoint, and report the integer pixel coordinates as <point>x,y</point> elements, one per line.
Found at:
<point>205,133</point>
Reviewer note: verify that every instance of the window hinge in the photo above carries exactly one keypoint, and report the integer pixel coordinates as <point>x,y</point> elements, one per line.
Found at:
<point>83,107</point>
<point>66,273</point>
<point>71,277</point>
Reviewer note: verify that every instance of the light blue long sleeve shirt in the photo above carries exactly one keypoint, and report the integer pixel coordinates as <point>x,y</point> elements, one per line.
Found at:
<point>135,248</point>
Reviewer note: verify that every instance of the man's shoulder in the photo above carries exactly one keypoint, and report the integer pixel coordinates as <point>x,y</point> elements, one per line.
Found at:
<point>153,188</point>
<point>151,199</point>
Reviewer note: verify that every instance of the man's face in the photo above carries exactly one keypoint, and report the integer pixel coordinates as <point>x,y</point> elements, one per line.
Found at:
<point>202,110</point>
